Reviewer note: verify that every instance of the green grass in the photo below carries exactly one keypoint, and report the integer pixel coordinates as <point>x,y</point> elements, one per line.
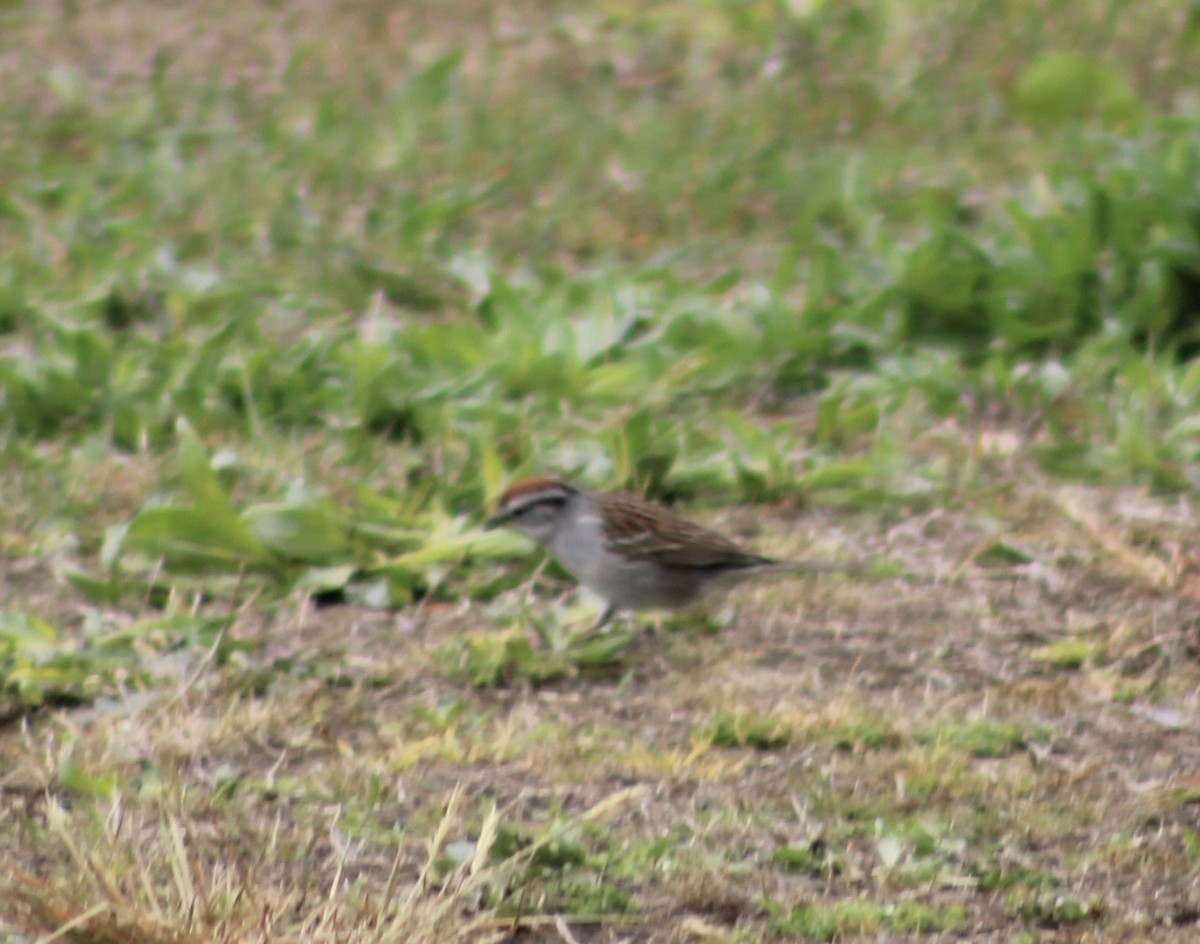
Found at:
<point>849,918</point>
<point>288,294</point>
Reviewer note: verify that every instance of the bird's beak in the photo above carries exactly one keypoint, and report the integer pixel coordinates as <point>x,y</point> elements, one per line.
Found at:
<point>495,521</point>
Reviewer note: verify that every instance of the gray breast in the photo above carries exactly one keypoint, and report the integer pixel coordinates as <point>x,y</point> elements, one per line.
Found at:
<point>580,545</point>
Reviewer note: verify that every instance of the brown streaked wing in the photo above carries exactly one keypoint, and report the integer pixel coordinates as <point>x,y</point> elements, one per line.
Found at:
<point>655,533</point>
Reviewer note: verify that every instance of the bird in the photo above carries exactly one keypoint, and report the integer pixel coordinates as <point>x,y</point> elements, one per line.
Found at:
<point>633,553</point>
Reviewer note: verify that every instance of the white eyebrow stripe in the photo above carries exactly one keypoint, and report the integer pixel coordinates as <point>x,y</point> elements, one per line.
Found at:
<point>537,498</point>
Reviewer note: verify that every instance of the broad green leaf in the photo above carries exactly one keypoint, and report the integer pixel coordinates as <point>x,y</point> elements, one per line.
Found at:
<point>618,379</point>
<point>829,407</point>
<point>485,545</point>
<point>299,532</point>
<point>94,588</point>
<point>842,474</point>
<point>199,479</point>
<point>325,579</point>
<point>1063,86</point>
<point>27,636</point>
<point>426,292</point>
<point>492,470</point>
<point>190,535</point>
<point>110,550</point>
<point>598,650</point>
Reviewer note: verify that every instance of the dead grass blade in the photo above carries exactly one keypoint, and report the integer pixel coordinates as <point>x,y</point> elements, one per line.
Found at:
<point>1142,567</point>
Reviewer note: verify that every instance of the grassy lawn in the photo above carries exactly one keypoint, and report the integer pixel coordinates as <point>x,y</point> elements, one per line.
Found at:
<point>289,292</point>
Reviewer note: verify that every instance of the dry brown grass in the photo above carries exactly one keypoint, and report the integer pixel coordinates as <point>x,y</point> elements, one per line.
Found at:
<point>1005,736</point>
<point>307,791</point>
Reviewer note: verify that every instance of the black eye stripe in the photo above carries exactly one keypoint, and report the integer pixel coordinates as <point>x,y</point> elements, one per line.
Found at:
<point>556,501</point>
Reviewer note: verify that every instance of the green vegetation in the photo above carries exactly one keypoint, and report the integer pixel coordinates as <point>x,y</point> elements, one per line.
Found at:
<point>742,729</point>
<point>846,918</point>
<point>288,293</point>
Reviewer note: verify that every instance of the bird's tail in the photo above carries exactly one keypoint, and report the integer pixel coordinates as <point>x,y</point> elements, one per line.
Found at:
<point>815,566</point>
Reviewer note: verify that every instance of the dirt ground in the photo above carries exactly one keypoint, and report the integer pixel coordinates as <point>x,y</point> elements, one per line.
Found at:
<point>996,738</point>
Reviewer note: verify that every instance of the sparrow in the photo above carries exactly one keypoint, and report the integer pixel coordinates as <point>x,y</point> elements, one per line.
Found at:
<point>633,553</point>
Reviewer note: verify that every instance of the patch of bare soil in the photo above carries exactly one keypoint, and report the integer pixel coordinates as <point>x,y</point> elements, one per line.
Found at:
<point>1001,740</point>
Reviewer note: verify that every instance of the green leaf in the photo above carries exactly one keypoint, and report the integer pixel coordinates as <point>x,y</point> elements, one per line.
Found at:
<point>110,550</point>
<point>426,293</point>
<point>74,779</point>
<point>307,533</point>
<point>614,379</point>
<point>326,579</point>
<point>1068,654</point>
<point>486,545</point>
<point>190,536</point>
<point>842,474</point>
<point>745,729</point>
<point>94,588</point>
<point>497,660</point>
<point>492,470</point>
<point>26,636</point>
<point>198,476</point>
<point>1058,87</point>
<point>599,650</point>
<point>1002,554</point>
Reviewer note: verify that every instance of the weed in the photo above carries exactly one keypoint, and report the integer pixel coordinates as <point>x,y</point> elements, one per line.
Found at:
<point>286,298</point>
<point>861,916</point>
